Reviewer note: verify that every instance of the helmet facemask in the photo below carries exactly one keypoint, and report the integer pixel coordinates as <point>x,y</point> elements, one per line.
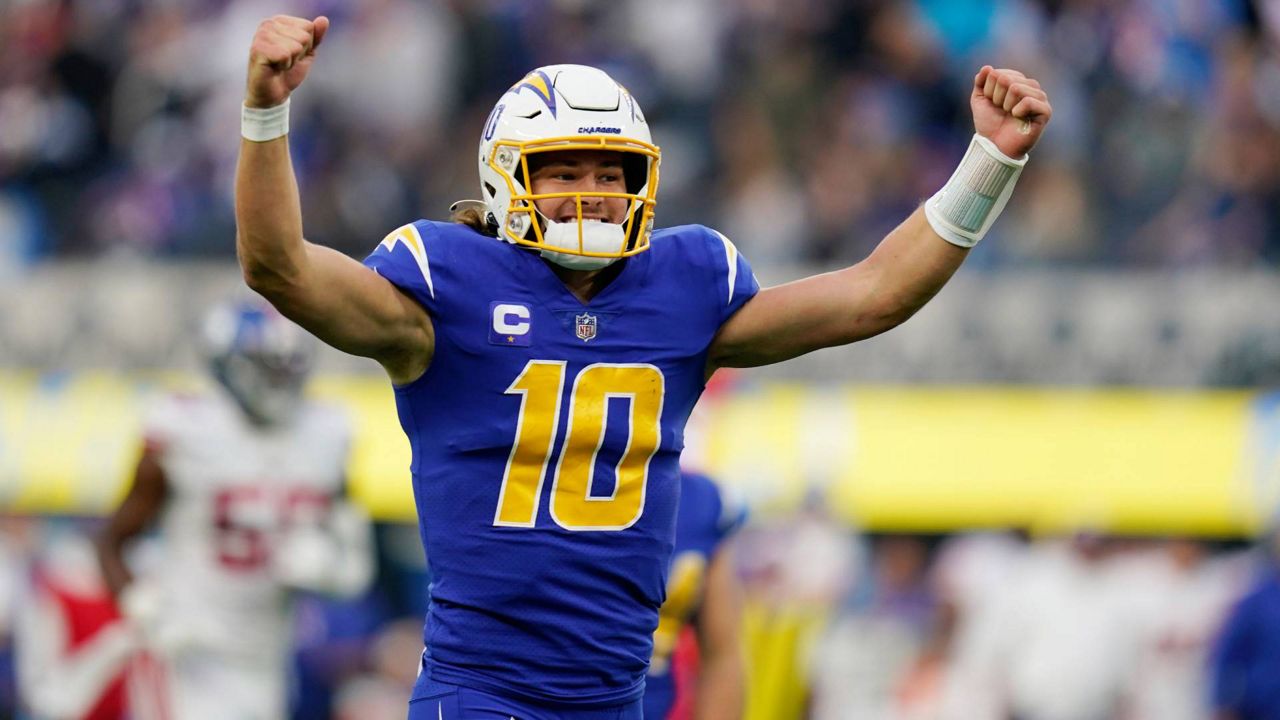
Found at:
<point>268,388</point>
<point>580,242</point>
<point>564,108</point>
<point>261,359</point>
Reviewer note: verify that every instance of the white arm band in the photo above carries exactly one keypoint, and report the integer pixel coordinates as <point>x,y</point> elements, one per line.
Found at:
<point>963,210</point>
<point>263,124</point>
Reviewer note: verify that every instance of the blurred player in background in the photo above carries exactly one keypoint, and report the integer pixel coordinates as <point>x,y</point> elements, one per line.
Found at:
<point>71,644</point>
<point>547,348</point>
<point>245,489</point>
<point>871,658</point>
<point>703,593</point>
<point>1245,662</point>
<point>1188,591</point>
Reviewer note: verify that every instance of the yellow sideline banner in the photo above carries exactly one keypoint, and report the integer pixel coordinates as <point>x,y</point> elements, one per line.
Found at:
<point>884,458</point>
<point>1049,460</point>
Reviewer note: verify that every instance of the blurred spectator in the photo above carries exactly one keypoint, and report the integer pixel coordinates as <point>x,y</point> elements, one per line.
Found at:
<point>72,646</point>
<point>795,569</point>
<point>1165,149</point>
<point>1187,593</point>
<point>17,535</point>
<point>331,645</point>
<point>1246,656</point>
<point>870,661</point>
<point>1061,641</point>
<point>972,578</point>
<point>383,692</point>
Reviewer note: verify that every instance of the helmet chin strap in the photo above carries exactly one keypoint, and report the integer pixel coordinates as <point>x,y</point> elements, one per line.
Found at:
<point>598,237</point>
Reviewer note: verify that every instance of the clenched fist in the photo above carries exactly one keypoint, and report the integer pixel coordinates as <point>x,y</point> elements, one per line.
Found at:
<point>281,55</point>
<point>1009,109</point>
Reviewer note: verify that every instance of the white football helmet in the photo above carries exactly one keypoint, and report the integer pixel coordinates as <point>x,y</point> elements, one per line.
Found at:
<point>567,107</point>
<point>260,357</point>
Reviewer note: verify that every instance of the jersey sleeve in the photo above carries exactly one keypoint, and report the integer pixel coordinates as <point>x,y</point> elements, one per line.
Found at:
<point>162,422</point>
<point>735,281</point>
<point>405,257</point>
<point>733,513</point>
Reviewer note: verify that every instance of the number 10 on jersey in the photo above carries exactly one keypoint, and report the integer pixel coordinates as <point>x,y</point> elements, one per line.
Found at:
<point>540,387</point>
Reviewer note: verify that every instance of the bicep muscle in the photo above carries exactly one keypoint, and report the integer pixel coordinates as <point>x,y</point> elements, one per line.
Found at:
<point>352,308</point>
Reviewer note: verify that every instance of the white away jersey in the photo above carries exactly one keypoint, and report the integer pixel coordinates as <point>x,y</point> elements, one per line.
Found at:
<point>234,490</point>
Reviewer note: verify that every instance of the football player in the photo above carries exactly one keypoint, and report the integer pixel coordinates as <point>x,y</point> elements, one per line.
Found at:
<point>547,348</point>
<point>71,646</point>
<point>245,489</point>
<point>703,593</point>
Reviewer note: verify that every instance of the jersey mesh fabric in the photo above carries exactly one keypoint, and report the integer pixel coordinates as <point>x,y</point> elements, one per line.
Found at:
<point>541,611</point>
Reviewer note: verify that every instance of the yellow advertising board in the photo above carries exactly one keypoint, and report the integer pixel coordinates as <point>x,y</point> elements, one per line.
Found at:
<point>1048,460</point>
<point>886,458</point>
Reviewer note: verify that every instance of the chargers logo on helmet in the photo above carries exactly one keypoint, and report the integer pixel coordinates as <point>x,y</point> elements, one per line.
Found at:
<point>541,85</point>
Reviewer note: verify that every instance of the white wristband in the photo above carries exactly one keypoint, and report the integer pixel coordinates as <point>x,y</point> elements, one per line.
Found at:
<point>263,124</point>
<point>964,209</point>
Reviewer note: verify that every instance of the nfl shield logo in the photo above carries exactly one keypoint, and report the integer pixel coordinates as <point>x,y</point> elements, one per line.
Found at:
<point>586,326</point>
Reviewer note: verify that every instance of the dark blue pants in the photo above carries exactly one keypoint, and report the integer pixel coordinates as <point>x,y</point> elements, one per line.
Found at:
<point>439,701</point>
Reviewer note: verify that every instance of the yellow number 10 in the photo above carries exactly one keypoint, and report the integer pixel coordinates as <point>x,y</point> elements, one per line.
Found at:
<point>540,387</point>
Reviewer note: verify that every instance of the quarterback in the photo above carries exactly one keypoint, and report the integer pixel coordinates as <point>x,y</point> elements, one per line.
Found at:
<point>546,348</point>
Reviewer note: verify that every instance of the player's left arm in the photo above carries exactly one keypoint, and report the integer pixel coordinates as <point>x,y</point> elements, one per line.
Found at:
<point>907,268</point>
<point>721,691</point>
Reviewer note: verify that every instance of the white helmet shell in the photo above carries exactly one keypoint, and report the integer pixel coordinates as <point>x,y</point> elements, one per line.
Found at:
<point>259,356</point>
<point>566,107</point>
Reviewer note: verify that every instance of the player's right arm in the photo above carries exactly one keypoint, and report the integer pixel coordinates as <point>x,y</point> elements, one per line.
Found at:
<point>344,303</point>
<point>139,509</point>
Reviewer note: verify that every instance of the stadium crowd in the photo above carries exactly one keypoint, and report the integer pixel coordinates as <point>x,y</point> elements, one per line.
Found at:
<point>805,127</point>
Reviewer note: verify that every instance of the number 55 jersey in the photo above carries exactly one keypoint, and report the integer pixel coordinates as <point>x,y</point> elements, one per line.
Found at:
<point>235,493</point>
<point>546,437</point>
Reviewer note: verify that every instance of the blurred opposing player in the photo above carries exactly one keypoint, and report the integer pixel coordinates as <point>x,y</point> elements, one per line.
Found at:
<point>244,488</point>
<point>547,348</point>
<point>702,590</point>
<point>1245,658</point>
<point>71,644</point>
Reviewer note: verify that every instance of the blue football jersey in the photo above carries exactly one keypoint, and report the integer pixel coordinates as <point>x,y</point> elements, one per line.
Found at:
<point>703,522</point>
<point>546,437</point>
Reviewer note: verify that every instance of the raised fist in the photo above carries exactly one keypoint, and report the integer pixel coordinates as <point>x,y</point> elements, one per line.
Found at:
<point>280,56</point>
<point>1009,109</point>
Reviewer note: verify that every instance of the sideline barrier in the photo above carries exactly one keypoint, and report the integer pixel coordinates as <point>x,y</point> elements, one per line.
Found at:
<point>886,458</point>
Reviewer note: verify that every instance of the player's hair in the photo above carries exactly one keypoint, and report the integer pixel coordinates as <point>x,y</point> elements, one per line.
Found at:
<point>474,218</point>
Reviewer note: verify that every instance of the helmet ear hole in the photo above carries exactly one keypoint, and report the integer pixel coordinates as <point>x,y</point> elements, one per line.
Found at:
<point>635,227</point>
<point>489,188</point>
<point>635,171</point>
